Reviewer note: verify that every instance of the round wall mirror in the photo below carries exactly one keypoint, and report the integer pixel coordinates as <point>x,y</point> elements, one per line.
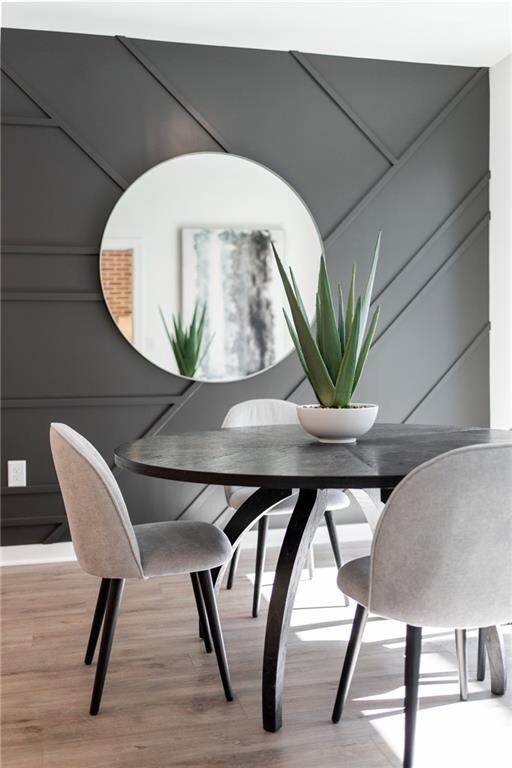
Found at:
<point>187,268</point>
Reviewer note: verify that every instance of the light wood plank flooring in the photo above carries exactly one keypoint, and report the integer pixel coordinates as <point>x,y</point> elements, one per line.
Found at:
<point>163,703</point>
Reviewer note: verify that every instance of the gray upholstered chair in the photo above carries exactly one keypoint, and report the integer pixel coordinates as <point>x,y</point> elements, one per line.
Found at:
<point>260,413</point>
<point>108,546</point>
<point>441,556</point>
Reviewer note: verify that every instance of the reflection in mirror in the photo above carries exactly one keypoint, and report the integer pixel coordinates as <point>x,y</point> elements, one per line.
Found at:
<point>187,268</point>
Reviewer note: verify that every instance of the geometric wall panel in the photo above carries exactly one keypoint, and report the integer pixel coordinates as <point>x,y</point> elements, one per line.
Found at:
<point>15,102</point>
<point>42,172</point>
<point>395,98</point>
<point>370,145</point>
<point>252,99</point>
<point>100,86</point>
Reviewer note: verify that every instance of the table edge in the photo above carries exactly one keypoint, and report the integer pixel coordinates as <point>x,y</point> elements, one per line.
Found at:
<point>281,482</point>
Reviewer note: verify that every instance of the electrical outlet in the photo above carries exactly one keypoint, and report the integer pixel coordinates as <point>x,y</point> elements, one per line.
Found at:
<point>16,473</point>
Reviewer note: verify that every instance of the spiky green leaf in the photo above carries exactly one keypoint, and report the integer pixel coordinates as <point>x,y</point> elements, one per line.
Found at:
<point>351,304</point>
<point>297,294</point>
<point>345,380</point>
<point>363,354</point>
<point>318,373</point>
<point>341,319</point>
<point>180,360</point>
<point>296,343</point>
<point>327,330</point>
<point>168,333</point>
<point>186,341</point>
<point>367,295</point>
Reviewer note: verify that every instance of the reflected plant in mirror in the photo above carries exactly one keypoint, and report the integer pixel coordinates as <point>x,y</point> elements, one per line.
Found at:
<point>187,341</point>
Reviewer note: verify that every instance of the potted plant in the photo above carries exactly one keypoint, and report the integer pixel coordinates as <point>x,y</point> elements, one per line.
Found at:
<point>187,341</point>
<point>333,361</point>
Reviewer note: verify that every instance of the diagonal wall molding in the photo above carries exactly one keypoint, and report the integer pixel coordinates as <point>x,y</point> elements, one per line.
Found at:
<point>322,82</point>
<point>160,424</point>
<point>404,158</point>
<point>434,237</point>
<point>58,121</point>
<point>447,263</point>
<point>459,360</point>
<point>172,90</point>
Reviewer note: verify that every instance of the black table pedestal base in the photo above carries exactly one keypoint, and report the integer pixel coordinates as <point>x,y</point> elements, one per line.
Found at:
<point>298,538</point>
<point>243,520</point>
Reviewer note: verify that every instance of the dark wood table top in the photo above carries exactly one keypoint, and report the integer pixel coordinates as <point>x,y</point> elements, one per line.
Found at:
<point>287,457</point>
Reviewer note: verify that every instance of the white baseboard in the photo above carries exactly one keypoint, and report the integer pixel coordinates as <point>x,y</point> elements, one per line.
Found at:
<point>63,552</point>
<point>37,554</point>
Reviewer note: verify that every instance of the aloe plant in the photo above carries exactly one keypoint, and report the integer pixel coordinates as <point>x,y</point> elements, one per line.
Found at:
<point>186,341</point>
<point>333,361</point>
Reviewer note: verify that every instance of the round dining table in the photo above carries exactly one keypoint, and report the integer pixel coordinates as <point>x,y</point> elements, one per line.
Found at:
<point>278,460</point>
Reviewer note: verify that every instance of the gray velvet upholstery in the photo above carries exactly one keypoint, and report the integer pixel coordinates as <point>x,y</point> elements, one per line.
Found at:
<point>354,579</point>
<point>106,543</point>
<point>181,547</point>
<point>100,526</point>
<point>441,553</point>
<point>267,412</point>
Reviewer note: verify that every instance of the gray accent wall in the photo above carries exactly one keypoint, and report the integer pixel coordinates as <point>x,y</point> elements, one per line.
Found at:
<point>369,145</point>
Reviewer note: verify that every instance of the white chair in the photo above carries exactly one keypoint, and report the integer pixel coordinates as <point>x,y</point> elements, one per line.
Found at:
<point>259,413</point>
<point>441,556</point>
<point>108,546</point>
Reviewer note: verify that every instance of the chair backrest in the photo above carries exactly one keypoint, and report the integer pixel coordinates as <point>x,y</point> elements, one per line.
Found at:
<point>100,526</point>
<point>258,413</point>
<point>261,413</point>
<point>442,549</point>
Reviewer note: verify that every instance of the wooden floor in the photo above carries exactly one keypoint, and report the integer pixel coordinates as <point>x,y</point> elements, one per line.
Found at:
<point>163,703</point>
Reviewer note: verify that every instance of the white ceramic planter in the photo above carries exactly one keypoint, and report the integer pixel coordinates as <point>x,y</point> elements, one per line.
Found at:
<point>337,425</point>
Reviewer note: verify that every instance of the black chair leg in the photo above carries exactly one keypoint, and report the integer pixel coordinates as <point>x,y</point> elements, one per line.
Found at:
<point>412,675</point>
<point>233,568</point>
<point>480,660</point>
<point>260,564</point>
<point>349,665</point>
<point>460,644</point>
<point>333,536</point>
<point>205,580</point>
<point>204,627</point>
<point>97,621</point>
<point>115,594</point>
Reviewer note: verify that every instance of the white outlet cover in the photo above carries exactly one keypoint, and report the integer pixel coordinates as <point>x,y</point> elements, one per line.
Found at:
<point>16,473</point>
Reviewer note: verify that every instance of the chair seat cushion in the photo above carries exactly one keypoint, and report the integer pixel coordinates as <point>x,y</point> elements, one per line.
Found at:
<point>354,580</point>
<point>336,500</point>
<point>180,546</point>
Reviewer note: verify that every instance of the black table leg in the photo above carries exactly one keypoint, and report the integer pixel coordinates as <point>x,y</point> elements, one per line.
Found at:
<point>232,568</point>
<point>385,493</point>
<point>243,520</point>
<point>298,538</point>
